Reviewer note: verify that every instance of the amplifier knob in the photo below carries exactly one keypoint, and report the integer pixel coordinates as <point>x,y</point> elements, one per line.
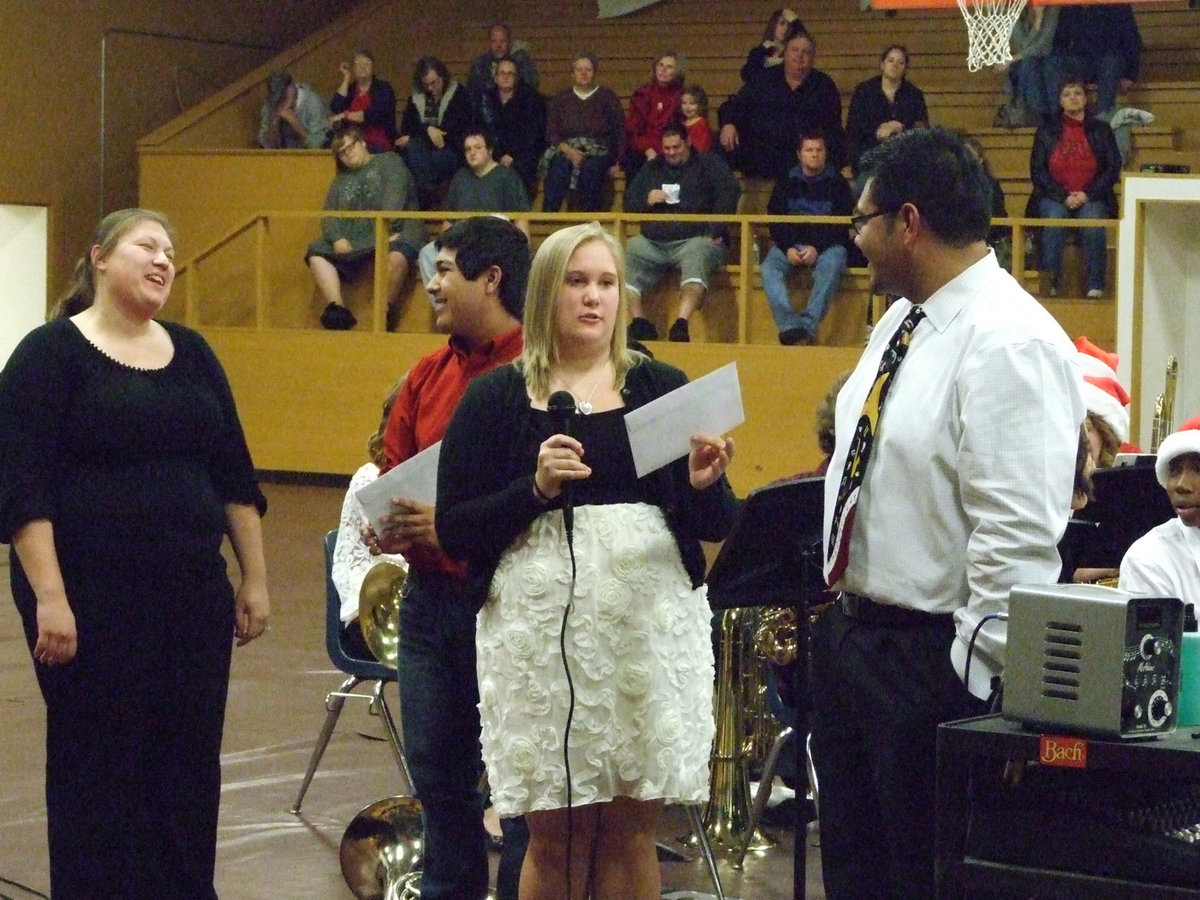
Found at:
<point>1160,709</point>
<point>1149,646</point>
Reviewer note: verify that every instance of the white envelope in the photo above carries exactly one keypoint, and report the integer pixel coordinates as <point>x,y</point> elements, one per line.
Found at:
<point>661,431</point>
<point>414,479</point>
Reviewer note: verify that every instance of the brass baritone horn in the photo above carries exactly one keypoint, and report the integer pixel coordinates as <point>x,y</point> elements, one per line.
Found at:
<point>1164,406</point>
<point>379,601</point>
<point>382,849</point>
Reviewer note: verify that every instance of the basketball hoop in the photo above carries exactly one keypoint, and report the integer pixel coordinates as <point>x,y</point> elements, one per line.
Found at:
<point>989,28</point>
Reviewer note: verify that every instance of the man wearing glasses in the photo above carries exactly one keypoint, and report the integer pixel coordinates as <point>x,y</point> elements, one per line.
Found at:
<point>364,181</point>
<point>950,482</point>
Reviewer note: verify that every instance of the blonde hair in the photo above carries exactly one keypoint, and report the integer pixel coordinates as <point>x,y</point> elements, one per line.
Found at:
<point>546,277</point>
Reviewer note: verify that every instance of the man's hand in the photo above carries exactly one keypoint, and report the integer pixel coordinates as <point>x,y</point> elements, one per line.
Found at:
<point>729,137</point>
<point>658,195</point>
<point>407,524</point>
<point>341,245</point>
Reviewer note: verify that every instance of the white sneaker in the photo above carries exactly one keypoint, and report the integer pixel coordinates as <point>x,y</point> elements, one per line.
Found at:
<point>1095,294</point>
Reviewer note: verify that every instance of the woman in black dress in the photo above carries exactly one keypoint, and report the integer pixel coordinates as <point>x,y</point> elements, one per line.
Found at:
<point>122,468</point>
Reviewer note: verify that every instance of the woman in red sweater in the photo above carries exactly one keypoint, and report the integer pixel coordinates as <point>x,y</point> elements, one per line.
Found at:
<point>1074,165</point>
<point>652,108</point>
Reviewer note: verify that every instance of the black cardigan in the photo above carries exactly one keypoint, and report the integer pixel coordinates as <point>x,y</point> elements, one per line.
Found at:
<point>485,493</point>
<point>1108,156</point>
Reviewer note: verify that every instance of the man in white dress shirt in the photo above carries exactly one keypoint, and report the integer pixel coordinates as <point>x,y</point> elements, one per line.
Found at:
<point>966,492</point>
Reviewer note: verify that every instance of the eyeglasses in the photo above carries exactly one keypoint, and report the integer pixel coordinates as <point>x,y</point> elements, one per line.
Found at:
<point>857,222</point>
<point>346,148</point>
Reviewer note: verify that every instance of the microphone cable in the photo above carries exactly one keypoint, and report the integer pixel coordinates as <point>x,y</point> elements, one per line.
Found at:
<point>561,406</point>
<point>999,617</point>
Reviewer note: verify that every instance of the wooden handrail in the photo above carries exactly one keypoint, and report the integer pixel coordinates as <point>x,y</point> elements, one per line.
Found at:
<point>746,224</point>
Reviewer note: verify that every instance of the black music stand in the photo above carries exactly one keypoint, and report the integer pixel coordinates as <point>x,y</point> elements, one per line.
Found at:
<point>1129,502</point>
<point>772,557</point>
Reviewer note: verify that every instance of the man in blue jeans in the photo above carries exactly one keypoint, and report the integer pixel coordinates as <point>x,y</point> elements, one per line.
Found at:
<point>478,291</point>
<point>1100,43</point>
<point>810,188</point>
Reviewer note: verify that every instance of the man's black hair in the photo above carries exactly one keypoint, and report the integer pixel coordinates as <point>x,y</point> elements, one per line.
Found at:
<point>932,169</point>
<point>483,241</point>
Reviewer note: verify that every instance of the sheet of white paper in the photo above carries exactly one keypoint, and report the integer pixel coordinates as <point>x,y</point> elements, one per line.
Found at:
<point>661,431</point>
<point>414,479</point>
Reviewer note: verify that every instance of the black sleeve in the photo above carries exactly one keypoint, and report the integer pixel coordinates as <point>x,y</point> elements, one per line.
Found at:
<point>484,500</point>
<point>456,121</point>
<point>1108,156</point>
<point>230,465</point>
<point>859,128</point>
<point>382,110</point>
<point>755,63</point>
<point>35,389</point>
<point>410,122</point>
<point>1044,184</point>
<point>831,123</point>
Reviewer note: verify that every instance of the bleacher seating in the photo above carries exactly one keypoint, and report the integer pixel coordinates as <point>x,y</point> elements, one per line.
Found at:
<point>848,45</point>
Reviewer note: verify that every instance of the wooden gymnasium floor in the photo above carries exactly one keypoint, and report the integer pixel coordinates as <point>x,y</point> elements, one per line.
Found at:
<point>275,709</point>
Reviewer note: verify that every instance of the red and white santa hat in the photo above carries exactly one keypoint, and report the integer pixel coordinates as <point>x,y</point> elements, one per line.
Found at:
<point>1103,394</point>
<point>1185,440</point>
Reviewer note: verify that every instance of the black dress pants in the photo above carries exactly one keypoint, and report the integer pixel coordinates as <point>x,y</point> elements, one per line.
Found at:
<point>879,691</point>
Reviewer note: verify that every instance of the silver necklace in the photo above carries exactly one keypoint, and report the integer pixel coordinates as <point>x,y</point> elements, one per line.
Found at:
<point>583,406</point>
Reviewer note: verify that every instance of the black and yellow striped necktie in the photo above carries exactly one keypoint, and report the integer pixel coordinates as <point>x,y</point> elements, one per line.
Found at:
<point>861,441</point>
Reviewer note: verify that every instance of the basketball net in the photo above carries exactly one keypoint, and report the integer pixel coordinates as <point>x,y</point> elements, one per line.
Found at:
<point>989,28</point>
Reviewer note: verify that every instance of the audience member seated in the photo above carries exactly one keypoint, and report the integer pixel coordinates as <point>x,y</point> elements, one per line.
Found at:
<point>999,236</point>
<point>515,114</point>
<point>679,182</point>
<point>500,46</point>
<point>758,133</point>
<point>1165,562</point>
<point>482,185</point>
<point>770,52</point>
<point>693,109</point>
<point>435,121</point>
<point>1099,43</point>
<point>365,101</point>
<point>810,188</point>
<point>653,107</point>
<point>1107,403</point>
<point>351,557</point>
<point>364,182</point>
<point>294,116</point>
<point>1031,42</point>
<point>1073,166</point>
<point>585,130</point>
<point>884,105</point>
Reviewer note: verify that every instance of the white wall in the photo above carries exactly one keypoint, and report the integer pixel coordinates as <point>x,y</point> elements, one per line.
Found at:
<point>23,253</point>
<point>1158,298</point>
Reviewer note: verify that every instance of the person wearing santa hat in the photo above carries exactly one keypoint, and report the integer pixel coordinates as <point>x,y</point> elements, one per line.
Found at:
<point>1107,404</point>
<point>1166,560</point>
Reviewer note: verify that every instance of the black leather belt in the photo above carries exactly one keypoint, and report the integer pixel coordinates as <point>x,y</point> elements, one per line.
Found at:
<point>864,609</point>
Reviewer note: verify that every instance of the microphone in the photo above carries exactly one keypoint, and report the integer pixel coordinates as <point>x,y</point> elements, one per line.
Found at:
<point>561,406</point>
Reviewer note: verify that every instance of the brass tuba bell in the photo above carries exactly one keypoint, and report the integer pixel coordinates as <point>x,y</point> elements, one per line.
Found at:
<point>379,610</point>
<point>382,849</point>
